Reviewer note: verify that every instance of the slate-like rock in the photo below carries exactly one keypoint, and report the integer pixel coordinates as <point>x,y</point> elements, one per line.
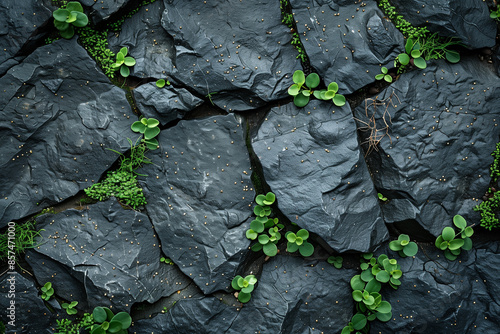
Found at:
<point>312,161</point>
<point>239,50</point>
<point>20,23</point>
<point>165,104</point>
<point>103,256</point>
<point>468,20</point>
<point>292,296</point>
<point>59,113</point>
<point>346,41</point>
<point>103,9</point>
<point>444,127</point>
<point>30,313</point>
<point>200,197</point>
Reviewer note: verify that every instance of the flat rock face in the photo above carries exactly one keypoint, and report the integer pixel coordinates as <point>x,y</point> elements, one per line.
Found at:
<point>103,9</point>
<point>165,104</point>
<point>291,296</point>
<point>239,50</point>
<point>444,128</point>
<point>313,163</point>
<point>468,20</point>
<point>59,113</point>
<point>345,41</point>
<point>103,256</point>
<point>200,198</point>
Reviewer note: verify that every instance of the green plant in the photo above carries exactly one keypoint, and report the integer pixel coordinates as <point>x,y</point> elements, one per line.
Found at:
<point>70,308</point>
<point>25,235</point>
<point>447,240</point>
<point>303,88</point>
<point>47,291</point>
<point>107,322</point>
<point>435,47</point>
<point>166,260</point>
<point>298,242</point>
<point>489,210</point>
<point>404,246</point>
<point>336,261</point>
<point>384,75</point>
<point>66,18</point>
<point>66,326</point>
<point>160,83</point>
<point>495,14</point>
<point>245,286</point>
<point>149,128</point>
<point>123,62</point>
<point>96,44</point>
<point>405,27</point>
<point>383,269</point>
<point>495,166</point>
<point>412,51</point>
<point>382,197</point>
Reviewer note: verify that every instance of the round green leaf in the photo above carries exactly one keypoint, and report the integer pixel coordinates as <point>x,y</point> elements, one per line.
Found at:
<point>124,71</point>
<point>299,78</point>
<point>263,239</point>
<point>415,53</point>
<point>123,51</point>
<point>379,76</point>
<point>469,231</point>
<point>244,297</point>
<point>396,274</point>
<point>301,100</point>
<point>129,61</point>
<point>61,25</point>
<point>234,282</point>
<point>251,234</point>
<point>152,144</point>
<point>329,94</point>
<point>439,241</point>
<point>357,295</point>
<point>384,317</point>
<point>452,56</point>
<point>294,90</point>
<point>383,276</point>
<point>358,321</point>
<point>291,237</point>
<point>152,122</point>
<point>456,244</point>
<point>61,14</point>
<point>120,58</point>
<point>364,266</point>
<point>306,249</point>
<point>444,245</point>
<point>317,94</point>
<point>449,255</point>
<point>404,59</point>
<point>257,226</point>
<point>420,63</point>
<point>467,244</point>
<point>99,314</point>
<point>395,245</point>
<point>384,70</point>
<point>81,19</point>
<point>151,132</point>
<point>357,283</point>
<point>68,33</point>
<point>369,300</point>
<point>312,80</point>
<point>270,198</point>
<point>138,127</point>
<point>448,233</point>
<point>366,275</point>
<point>74,6</point>
<point>123,318</point>
<point>373,286</point>
<point>339,100</point>
<point>260,199</point>
<point>270,249</point>
<point>302,233</point>
<point>388,78</point>
<point>160,83</point>
<point>251,279</point>
<point>248,289</point>
<point>411,249</point>
<point>333,86</point>
<point>459,222</point>
<point>403,237</point>
<point>256,247</point>
<point>292,247</point>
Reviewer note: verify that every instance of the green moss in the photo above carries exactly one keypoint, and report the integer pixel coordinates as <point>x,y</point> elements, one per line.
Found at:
<point>288,20</point>
<point>25,235</point>
<point>495,166</point>
<point>490,209</point>
<point>96,44</point>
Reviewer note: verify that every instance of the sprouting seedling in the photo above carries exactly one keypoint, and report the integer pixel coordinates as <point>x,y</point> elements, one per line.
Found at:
<point>47,291</point>
<point>404,246</point>
<point>108,322</point>
<point>148,127</point>
<point>451,246</point>
<point>331,94</point>
<point>166,260</point>
<point>336,261</point>
<point>303,87</point>
<point>384,75</point>
<point>412,49</point>
<point>382,197</point>
<point>245,286</point>
<point>66,18</point>
<point>124,62</point>
<point>297,241</point>
<point>70,308</point>
<point>209,95</point>
<point>160,83</point>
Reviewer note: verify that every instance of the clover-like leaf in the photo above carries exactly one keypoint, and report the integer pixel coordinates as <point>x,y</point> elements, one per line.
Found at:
<point>124,71</point>
<point>291,247</point>
<point>151,132</point>
<point>334,87</point>
<point>81,20</point>
<point>456,244</point>
<point>411,249</point>
<point>383,276</point>
<point>395,245</point>
<point>404,59</point>
<point>306,249</point>
<point>302,233</point>
<point>359,321</point>
<point>448,233</point>
<point>452,56</point>
<point>312,80</point>
<point>357,283</point>
<point>129,61</point>
<point>299,78</point>
<point>269,198</point>
<point>151,144</point>
<point>263,239</point>
<point>244,297</point>
<point>420,63</point>
<point>294,90</point>
<point>270,249</point>
<point>61,14</point>
<point>459,222</point>
<point>467,244</point>
<point>290,236</point>
<point>68,33</point>
<point>251,234</point>
<point>152,122</point>
<point>357,295</point>
<point>74,6</point>
<point>257,226</point>
<point>160,83</point>
<point>339,100</point>
<point>300,100</point>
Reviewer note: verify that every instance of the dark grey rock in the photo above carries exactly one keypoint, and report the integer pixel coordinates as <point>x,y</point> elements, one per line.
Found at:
<point>291,296</point>
<point>312,161</point>
<point>444,128</point>
<point>200,198</point>
<point>59,113</point>
<point>166,104</point>
<point>103,256</point>
<point>31,314</point>
<point>103,9</point>
<point>468,20</point>
<point>19,25</point>
<point>346,42</point>
<point>240,50</point>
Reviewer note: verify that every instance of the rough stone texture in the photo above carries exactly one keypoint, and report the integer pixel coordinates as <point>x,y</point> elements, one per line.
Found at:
<point>443,130</point>
<point>292,296</point>
<point>346,42</point>
<point>441,296</point>
<point>100,252</point>
<point>19,25</point>
<point>29,307</point>
<point>103,9</point>
<point>200,198</point>
<point>313,163</point>
<point>166,104</point>
<point>59,113</point>
<point>240,50</point>
<point>468,20</point>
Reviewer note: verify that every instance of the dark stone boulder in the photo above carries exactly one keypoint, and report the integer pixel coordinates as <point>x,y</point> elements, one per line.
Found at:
<point>312,161</point>
<point>103,256</point>
<point>166,104</point>
<point>239,50</point>
<point>346,42</point>
<point>200,198</point>
<point>103,9</point>
<point>59,113</point>
<point>291,296</point>
<point>443,127</point>
<point>468,20</point>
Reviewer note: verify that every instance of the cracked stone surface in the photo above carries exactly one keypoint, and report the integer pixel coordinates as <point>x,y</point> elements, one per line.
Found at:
<point>443,111</point>
<point>345,41</point>
<point>312,161</point>
<point>103,9</point>
<point>199,198</point>
<point>103,256</point>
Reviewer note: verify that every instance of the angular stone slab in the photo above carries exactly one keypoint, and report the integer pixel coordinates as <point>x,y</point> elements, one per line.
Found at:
<point>312,161</point>
<point>239,50</point>
<point>103,9</point>
<point>444,128</point>
<point>346,42</point>
<point>292,296</point>
<point>166,104</point>
<point>200,198</point>
<point>468,20</point>
<point>59,113</point>
<point>103,256</point>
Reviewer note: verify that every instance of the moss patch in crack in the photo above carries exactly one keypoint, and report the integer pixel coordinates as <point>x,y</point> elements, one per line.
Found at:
<point>288,20</point>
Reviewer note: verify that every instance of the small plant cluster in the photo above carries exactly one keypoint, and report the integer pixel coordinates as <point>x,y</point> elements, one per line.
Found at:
<point>70,307</point>
<point>47,291</point>
<point>298,241</point>
<point>404,246</point>
<point>149,128</point>
<point>382,197</point>
<point>65,19</point>
<point>405,27</point>
<point>160,83</point>
<point>245,286</point>
<point>384,75</point>
<point>117,25</point>
<point>123,62</point>
<point>264,229</point>
<point>25,235</point>
<point>366,288</point>
<point>490,208</point>
<point>166,260</point>
<point>448,241</point>
<point>96,44</point>
<point>303,88</point>
<point>495,14</point>
<point>287,19</point>
<point>67,326</point>
<point>108,322</point>
<point>336,261</point>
